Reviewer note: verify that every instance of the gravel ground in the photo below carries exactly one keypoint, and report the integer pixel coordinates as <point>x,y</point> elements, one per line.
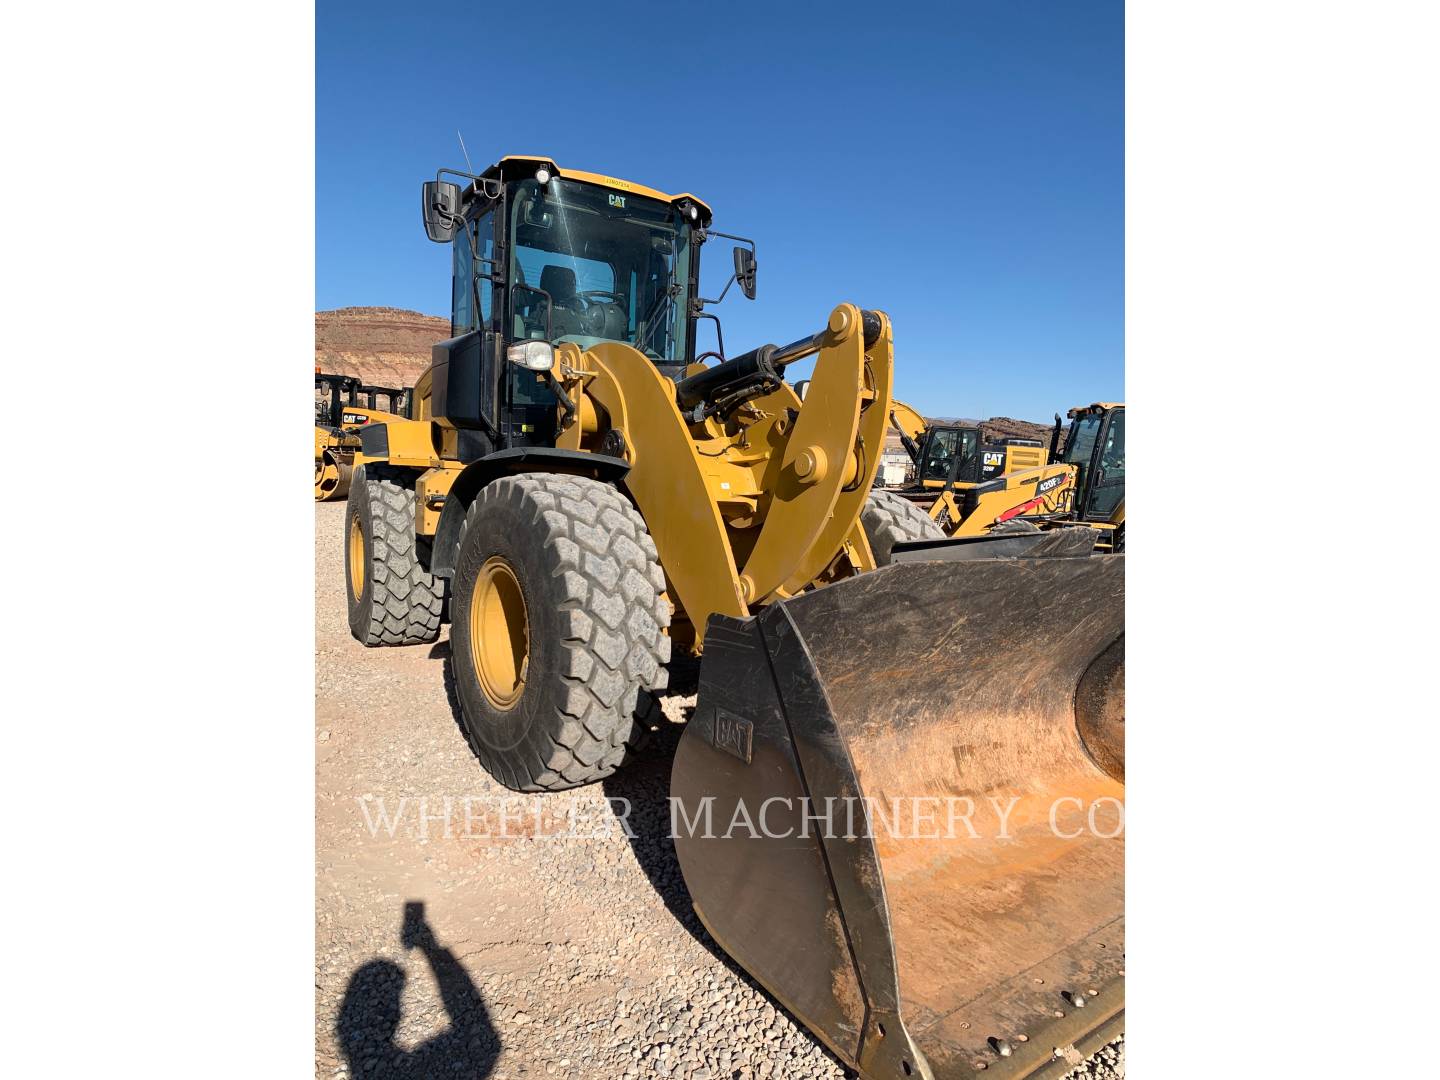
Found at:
<point>472,933</point>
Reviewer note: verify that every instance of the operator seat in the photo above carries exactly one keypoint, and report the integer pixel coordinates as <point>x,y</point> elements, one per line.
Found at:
<point>559,282</point>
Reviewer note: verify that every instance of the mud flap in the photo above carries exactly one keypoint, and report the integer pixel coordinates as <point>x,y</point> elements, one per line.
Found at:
<point>899,807</point>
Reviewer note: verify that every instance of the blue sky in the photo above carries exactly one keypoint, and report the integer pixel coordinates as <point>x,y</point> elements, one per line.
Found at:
<point>959,165</point>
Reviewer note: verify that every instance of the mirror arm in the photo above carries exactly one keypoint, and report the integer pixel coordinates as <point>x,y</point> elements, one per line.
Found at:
<point>700,302</point>
<point>489,188</point>
<point>730,236</point>
<point>725,236</point>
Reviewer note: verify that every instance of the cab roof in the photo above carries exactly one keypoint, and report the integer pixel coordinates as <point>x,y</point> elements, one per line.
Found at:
<point>526,164</point>
<point>1097,406</point>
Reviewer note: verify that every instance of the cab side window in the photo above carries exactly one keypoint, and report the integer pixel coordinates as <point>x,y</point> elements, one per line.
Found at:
<point>1112,458</point>
<point>464,284</point>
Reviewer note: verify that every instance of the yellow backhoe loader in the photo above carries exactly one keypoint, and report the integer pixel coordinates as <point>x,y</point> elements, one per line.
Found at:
<point>964,486</point>
<point>342,405</point>
<point>592,493</point>
<point>1095,445</point>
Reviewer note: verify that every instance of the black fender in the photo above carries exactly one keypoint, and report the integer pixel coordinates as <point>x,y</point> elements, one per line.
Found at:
<point>503,463</point>
<point>375,441</point>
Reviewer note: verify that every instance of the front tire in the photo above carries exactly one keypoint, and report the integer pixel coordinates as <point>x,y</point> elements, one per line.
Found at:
<point>889,519</point>
<point>557,633</point>
<point>390,597</point>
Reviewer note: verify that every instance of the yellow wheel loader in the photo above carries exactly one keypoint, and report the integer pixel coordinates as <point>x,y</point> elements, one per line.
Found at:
<point>1095,445</point>
<point>343,404</point>
<point>964,486</point>
<point>592,495</point>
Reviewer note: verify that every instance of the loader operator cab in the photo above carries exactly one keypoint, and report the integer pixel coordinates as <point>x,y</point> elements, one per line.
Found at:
<point>949,455</point>
<point>1096,447</point>
<point>543,256</point>
<point>591,265</point>
<point>332,394</point>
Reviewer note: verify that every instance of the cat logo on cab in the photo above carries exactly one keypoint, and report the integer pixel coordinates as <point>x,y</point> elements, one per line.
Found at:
<point>618,201</point>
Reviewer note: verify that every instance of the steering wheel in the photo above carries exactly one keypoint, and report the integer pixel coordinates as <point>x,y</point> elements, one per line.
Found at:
<point>594,315</point>
<point>588,295</point>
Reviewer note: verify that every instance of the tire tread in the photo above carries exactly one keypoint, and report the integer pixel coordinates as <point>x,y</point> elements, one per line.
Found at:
<point>406,601</point>
<point>890,519</point>
<point>609,589</point>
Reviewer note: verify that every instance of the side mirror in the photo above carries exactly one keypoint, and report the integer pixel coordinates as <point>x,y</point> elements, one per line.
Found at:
<point>440,207</point>
<point>745,271</point>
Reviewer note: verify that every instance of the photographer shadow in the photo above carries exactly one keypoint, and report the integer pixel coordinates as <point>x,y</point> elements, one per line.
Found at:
<point>371,1012</point>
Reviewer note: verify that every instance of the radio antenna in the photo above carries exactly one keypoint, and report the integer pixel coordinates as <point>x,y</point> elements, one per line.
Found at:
<point>464,151</point>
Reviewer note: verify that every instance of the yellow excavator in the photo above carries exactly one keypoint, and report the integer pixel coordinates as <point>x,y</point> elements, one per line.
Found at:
<point>1095,446</point>
<point>964,486</point>
<point>592,493</point>
<point>343,404</point>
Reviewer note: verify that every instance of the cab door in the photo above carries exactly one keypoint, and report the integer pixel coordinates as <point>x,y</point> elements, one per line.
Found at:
<point>1108,469</point>
<point>469,388</point>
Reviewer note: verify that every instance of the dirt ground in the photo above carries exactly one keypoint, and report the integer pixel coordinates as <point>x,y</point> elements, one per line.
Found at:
<point>464,931</point>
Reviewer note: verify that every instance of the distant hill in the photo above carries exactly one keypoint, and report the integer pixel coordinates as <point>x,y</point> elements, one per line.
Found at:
<point>381,345</point>
<point>992,430</point>
<point>1006,427</point>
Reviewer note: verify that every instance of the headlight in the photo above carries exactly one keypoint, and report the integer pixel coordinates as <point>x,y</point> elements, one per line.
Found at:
<point>542,174</point>
<point>535,355</point>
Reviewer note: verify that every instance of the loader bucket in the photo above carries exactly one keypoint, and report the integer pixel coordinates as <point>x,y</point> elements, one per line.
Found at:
<point>957,905</point>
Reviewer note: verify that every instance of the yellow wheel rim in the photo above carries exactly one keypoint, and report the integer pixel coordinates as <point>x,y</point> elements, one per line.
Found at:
<point>356,558</point>
<point>499,633</point>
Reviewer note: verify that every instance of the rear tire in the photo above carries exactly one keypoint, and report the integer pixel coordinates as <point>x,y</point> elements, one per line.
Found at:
<point>391,599</point>
<point>557,638</point>
<point>889,519</point>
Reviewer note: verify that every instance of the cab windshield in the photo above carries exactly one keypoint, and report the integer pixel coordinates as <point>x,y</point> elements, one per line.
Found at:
<point>616,267</point>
